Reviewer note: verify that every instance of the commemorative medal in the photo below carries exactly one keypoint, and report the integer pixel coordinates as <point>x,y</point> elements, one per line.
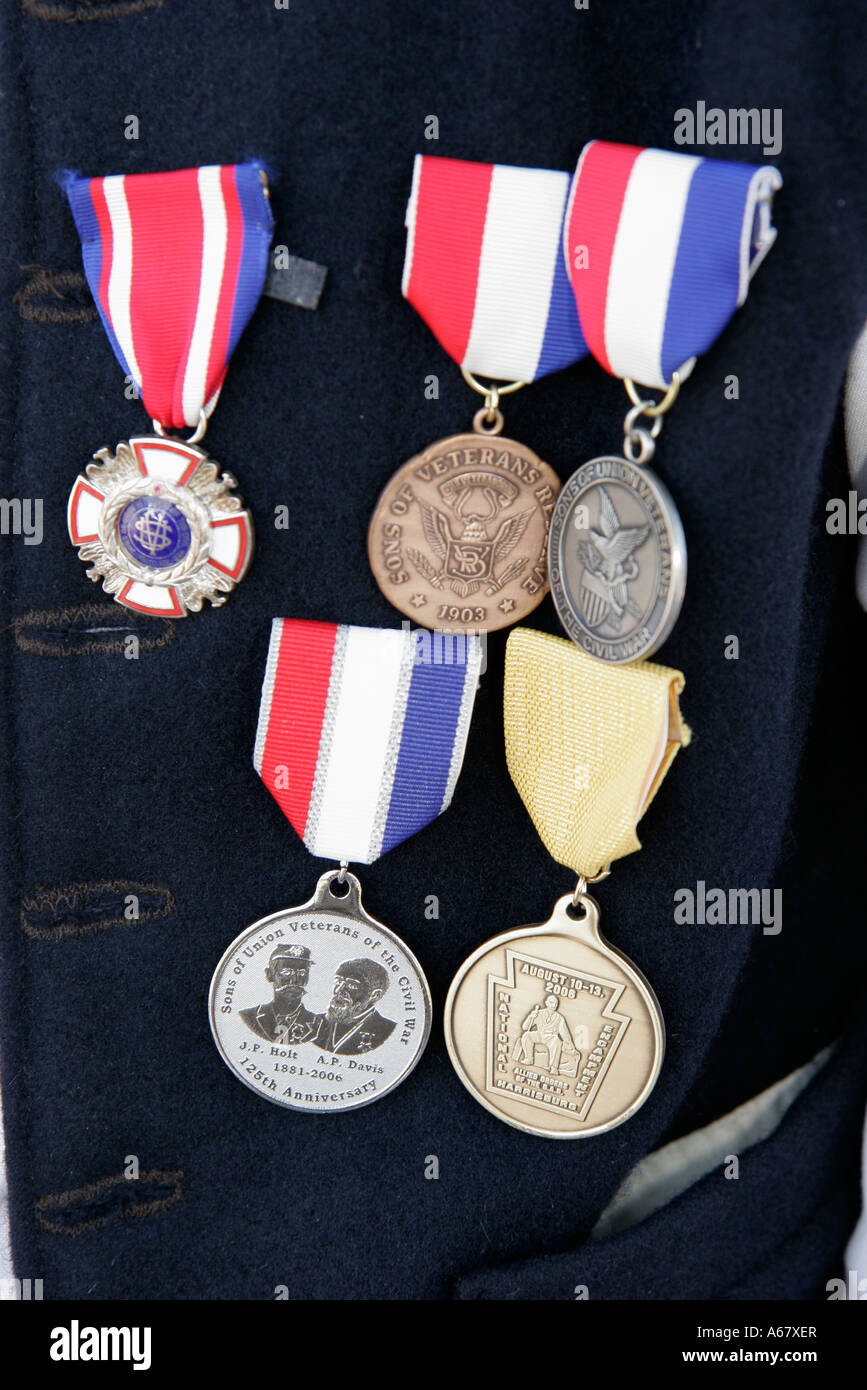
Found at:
<point>553,1030</point>
<point>458,539</point>
<point>343,1050</point>
<point>660,248</point>
<point>360,739</point>
<point>617,558</point>
<point>550,1027</point>
<point>176,263</point>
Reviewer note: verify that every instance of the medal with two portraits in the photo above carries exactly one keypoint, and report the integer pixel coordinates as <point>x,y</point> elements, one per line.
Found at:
<point>360,740</point>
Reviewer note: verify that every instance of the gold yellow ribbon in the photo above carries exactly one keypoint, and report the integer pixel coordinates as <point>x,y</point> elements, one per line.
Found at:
<point>587,744</point>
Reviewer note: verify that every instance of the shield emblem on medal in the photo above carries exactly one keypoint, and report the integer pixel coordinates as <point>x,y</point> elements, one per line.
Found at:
<point>608,554</point>
<point>616,559</point>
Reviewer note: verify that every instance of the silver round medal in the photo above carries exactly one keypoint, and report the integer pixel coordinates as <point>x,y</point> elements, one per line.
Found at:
<point>320,1007</point>
<point>616,560</point>
<point>160,526</point>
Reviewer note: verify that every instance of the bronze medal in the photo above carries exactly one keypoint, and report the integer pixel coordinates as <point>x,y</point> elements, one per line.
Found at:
<point>458,540</point>
<point>553,1030</point>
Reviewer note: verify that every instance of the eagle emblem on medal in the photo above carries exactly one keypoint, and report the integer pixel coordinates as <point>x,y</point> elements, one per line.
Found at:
<point>616,560</point>
<point>458,538</point>
<point>471,558</point>
<point>160,526</point>
<point>610,564</point>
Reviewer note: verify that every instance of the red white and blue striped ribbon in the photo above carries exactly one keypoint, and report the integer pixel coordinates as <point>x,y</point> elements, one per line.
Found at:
<point>176,263</point>
<point>362,731</point>
<point>484,266</point>
<point>660,249</point>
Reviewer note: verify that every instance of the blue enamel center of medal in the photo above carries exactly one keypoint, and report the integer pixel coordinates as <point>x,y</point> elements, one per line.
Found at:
<point>154,531</point>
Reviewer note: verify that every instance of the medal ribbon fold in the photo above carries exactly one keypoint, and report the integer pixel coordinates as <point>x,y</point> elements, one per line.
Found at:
<point>660,249</point>
<point>362,731</point>
<point>640,259</point>
<point>176,263</point>
<point>587,744</point>
<point>484,266</point>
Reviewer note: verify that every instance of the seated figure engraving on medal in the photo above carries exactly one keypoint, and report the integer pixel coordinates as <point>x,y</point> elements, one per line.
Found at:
<point>352,1023</point>
<point>545,1027</point>
<point>284,1019</point>
<point>551,1050</point>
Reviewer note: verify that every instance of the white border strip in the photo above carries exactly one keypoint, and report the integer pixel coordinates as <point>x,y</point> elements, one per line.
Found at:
<point>398,717</point>
<point>758,233</point>
<point>120,276</point>
<point>267,692</point>
<point>473,657</point>
<point>214,241</point>
<point>411,210</point>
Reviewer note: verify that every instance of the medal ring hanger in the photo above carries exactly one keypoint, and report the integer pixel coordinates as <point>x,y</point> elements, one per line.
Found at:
<point>201,426</point>
<point>489,420</point>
